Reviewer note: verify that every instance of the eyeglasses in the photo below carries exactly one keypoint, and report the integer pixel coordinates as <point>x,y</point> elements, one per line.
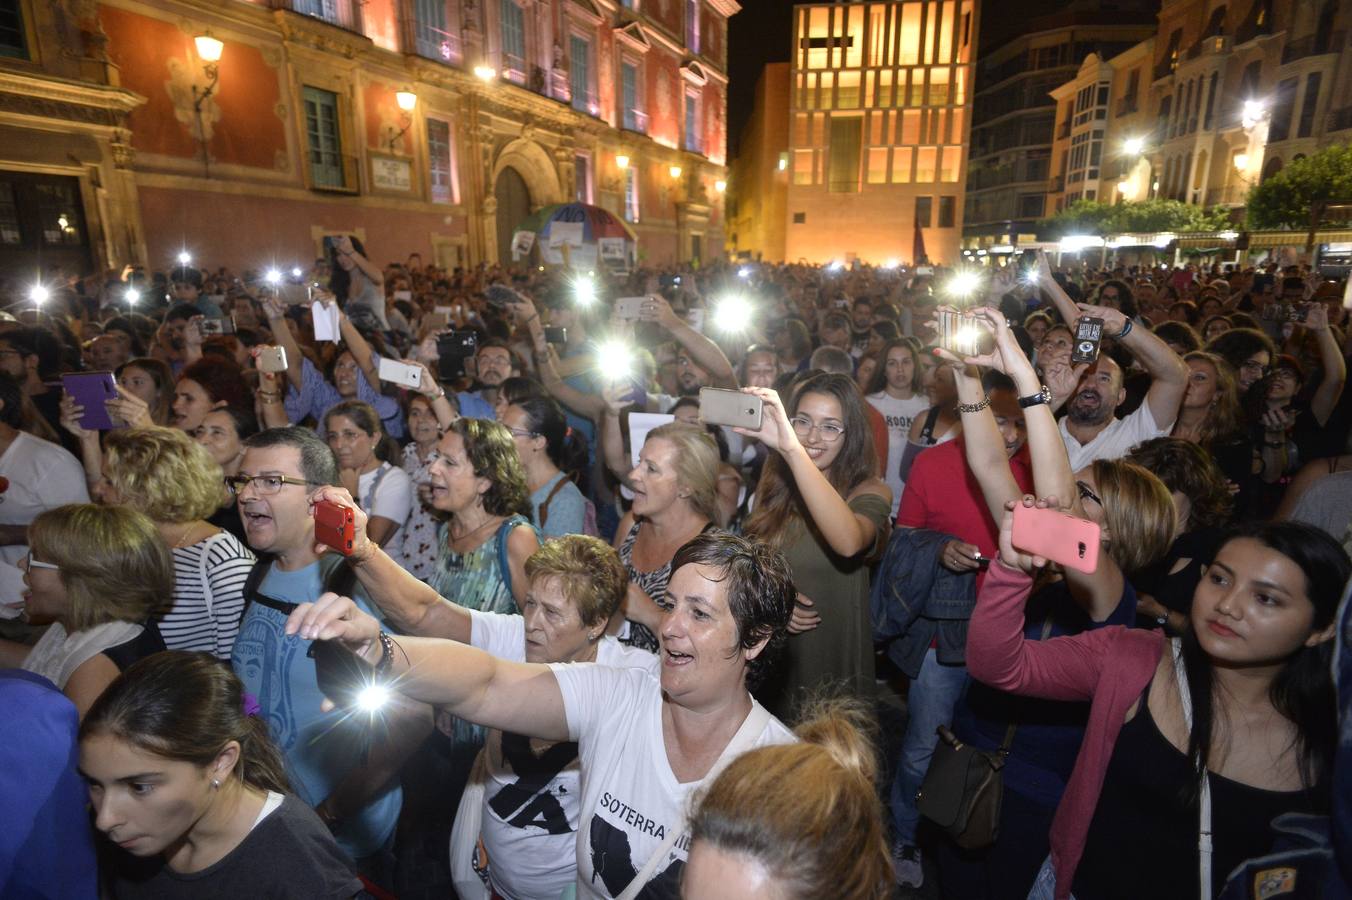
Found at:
<point>1087,493</point>
<point>523,433</point>
<point>1250,366</point>
<point>827,431</point>
<point>265,485</point>
<point>30,563</point>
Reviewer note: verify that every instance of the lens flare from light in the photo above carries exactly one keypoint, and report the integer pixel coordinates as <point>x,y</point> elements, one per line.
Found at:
<point>615,359</point>
<point>39,294</point>
<point>272,276</point>
<point>890,265</point>
<point>296,272</point>
<point>584,291</point>
<point>372,697</point>
<point>132,296</point>
<point>184,257</point>
<point>964,284</point>
<point>732,315</point>
<point>744,272</point>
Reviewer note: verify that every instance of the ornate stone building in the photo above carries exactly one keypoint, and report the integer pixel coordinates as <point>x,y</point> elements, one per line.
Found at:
<point>428,126</point>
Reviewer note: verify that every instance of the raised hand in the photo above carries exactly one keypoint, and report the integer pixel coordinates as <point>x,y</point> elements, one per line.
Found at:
<point>71,413</point>
<point>1011,557</point>
<point>130,409</point>
<point>804,617</point>
<point>776,431</point>
<point>363,548</point>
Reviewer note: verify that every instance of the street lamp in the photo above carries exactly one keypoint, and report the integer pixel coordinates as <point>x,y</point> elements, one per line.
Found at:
<point>621,161</point>
<point>209,50</point>
<point>1133,146</point>
<point>485,72</point>
<point>1253,113</point>
<point>720,185</point>
<point>675,172</point>
<point>406,100</point>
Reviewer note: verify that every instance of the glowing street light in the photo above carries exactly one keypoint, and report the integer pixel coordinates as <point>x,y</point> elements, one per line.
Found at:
<point>621,161</point>
<point>208,48</point>
<point>1241,162</point>
<point>406,100</point>
<point>1253,113</point>
<point>720,186</point>
<point>674,171</point>
<point>1133,146</point>
<point>485,72</point>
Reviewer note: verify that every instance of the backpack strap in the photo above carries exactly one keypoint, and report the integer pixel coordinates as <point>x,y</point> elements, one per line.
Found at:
<point>927,432</point>
<point>544,507</point>
<point>504,532</point>
<point>251,584</point>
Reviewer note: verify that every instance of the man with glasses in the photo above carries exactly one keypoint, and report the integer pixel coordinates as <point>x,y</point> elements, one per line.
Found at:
<point>343,767</point>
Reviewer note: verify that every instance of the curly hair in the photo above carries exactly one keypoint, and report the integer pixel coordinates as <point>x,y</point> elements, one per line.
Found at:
<point>589,571</point>
<point>163,473</point>
<point>1185,467</point>
<point>492,454</point>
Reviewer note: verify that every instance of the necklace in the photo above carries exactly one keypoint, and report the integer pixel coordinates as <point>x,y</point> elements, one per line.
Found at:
<point>184,536</point>
<point>455,538</point>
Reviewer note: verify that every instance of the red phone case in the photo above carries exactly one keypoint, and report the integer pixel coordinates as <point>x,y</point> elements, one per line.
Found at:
<point>1058,536</point>
<point>333,526</point>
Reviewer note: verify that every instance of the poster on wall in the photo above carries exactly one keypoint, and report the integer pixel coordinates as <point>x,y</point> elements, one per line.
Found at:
<point>389,173</point>
<point>612,250</point>
<point>522,242</point>
<point>583,258</point>
<point>565,233</point>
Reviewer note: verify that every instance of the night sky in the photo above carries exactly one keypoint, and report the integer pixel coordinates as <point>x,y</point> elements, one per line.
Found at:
<point>760,33</point>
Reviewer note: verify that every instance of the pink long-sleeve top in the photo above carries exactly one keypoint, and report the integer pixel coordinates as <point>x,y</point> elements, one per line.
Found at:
<point>1109,667</point>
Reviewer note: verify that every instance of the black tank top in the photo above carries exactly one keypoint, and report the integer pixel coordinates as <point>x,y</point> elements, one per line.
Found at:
<point>1143,839</point>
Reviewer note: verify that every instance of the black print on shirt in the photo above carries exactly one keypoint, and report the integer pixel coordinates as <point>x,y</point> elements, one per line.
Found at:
<point>527,797</point>
<point>613,862</point>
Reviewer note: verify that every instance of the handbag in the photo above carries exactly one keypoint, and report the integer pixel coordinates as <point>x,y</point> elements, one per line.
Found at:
<point>964,786</point>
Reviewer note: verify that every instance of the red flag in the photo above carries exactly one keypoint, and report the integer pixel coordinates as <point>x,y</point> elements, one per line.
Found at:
<point>918,248</point>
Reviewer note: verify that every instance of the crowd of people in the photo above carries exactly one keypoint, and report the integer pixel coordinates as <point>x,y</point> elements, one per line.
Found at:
<point>400,581</point>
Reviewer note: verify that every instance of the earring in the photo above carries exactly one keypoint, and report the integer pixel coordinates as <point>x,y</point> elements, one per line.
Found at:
<point>215,784</point>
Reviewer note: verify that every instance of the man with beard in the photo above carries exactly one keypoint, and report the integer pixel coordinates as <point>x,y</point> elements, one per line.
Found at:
<point>494,363</point>
<point>1089,428</point>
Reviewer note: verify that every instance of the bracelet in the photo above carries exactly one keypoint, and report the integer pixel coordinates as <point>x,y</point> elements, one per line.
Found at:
<point>1126,329</point>
<point>270,396</point>
<point>386,654</point>
<point>975,407</point>
<point>441,392</point>
<point>1042,396</point>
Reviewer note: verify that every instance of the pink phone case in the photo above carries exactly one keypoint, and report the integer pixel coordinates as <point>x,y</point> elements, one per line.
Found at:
<point>1058,536</point>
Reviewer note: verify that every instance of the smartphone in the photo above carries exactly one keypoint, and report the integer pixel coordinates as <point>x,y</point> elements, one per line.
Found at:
<point>453,348</point>
<point>555,335</point>
<point>269,359</point>
<point>924,270</point>
<point>1058,536</point>
<point>1088,336</point>
<point>213,326</point>
<point>630,308</point>
<point>342,675</point>
<point>438,321</point>
<point>962,334</point>
<point>400,373</point>
<point>722,407</point>
<point>403,295</point>
<point>333,526</point>
<point>92,390</point>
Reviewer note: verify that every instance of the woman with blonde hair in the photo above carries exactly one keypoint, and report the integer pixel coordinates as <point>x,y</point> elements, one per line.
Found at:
<point>675,487</point>
<point>165,474</point>
<point>97,574</point>
<point>751,838</point>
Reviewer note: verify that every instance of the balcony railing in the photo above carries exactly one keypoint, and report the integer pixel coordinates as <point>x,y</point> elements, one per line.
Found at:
<point>434,43</point>
<point>1164,69</point>
<point>342,13</point>
<point>635,120</point>
<point>1312,45</point>
<point>1216,43</point>
<point>338,173</point>
<point>514,68</point>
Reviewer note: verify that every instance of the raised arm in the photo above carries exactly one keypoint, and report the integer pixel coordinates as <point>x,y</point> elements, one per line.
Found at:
<point>1167,370</point>
<point>467,682</point>
<point>546,363</point>
<point>1330,389</point>
<point>983,444</point>
<point>368,268</point>
<point>703,352</point>
<point>847,533</point>
<point>361,351</point>
<point>275,310</point>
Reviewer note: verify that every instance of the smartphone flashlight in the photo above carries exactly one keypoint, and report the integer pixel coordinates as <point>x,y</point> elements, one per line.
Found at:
<point>584,291</point>
<point>273,277</point>
<point>732,315</point>
<point>963,284</point>
<point>615,359</point>
<point>347,679</point>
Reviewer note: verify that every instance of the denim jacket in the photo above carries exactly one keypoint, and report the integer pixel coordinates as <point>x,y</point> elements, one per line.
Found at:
<point>916,601</point>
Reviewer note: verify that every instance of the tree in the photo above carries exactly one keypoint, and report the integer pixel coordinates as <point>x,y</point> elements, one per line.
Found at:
<point>1147,216</point>
<point>1284,200</point>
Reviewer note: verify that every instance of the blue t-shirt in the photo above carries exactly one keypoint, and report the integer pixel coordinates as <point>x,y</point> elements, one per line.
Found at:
<point>474,406</point>
<point>46,843</point>
<point>1050,731</point>
<point>567,508</point>
<point>319,748</point>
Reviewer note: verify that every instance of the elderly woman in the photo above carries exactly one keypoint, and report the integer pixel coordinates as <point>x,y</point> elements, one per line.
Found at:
<point>576,585</point>
<point>97,574</point>
<point>646,743</point>
<point>164,474</point>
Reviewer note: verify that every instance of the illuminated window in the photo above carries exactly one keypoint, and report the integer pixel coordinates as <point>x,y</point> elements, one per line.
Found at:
<point>910,126</point>
<point>909,44</point>
<point>901,165</point>
<point>828,83</point>
<point>938,86</point>
<point>441,162</point>
<point>802,167</point>
<point>925,161</point>
<point>885,88</point>
<point>513,37</point>
<point>952,159</point>
<point>843,166</point>
<point>877,165</point>
<point>848,94</point>
<point>631,193</point>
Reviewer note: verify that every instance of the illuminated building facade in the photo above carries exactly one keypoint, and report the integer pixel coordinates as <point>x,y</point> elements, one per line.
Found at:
<point>1014,116</point>
<point>1228,94</point>
<point>759,177</point>
<point>878,103</point>
<point>429,126</point>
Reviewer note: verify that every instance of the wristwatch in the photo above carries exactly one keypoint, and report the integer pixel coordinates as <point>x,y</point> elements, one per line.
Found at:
<point>1042,396</point>
<point>1162,619</point>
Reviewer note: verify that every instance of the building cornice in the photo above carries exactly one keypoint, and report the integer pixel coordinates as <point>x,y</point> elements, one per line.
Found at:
<point>51,89</point>
<point>725,8</point>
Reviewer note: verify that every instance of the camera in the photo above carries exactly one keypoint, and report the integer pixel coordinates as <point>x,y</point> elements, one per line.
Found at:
<point>453,348</point>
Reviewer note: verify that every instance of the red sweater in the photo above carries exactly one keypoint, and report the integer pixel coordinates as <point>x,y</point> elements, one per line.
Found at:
<point>1110,667</point>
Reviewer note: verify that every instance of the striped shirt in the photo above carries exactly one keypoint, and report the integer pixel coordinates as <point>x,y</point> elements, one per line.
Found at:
<point>209,581</point>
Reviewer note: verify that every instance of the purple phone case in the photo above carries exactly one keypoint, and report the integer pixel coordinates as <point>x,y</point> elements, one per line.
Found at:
<point>92,390</point>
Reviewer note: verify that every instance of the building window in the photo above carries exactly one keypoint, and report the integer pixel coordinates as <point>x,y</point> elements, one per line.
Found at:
<point>800,218</point>
<point>1030,206</point>
<point>1311,100</point>
<point>947,211</point>
<point>877,165</point>
<point>430,37</point>
<point>579,74</point>
<point>802,167</point>
<point>441,162</point>
<point>692,123</point>
<point>631,193</point>
<point>634,119</point>
<point>323,138</point>
<point>843,166</point>
<point>513,37</point>
<point>13,39</point>
<point>1282,110</point>
<point>692,25</point>
<point>1210,102</point>
<point>582,177</point>
<point>923,205</point>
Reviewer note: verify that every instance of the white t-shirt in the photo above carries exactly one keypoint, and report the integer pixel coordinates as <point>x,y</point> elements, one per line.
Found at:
<point>388,491</point>
<point>530,812</point>
<point>899,415</point>
<point>615,715</point>
<point>42,476</point>
<point>1114,441</point>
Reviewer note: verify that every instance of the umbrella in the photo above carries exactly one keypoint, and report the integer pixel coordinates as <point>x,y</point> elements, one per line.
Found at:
<point>596,222</point>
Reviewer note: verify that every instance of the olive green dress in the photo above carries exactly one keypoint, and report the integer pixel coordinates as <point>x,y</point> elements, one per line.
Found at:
<point>838,652</point>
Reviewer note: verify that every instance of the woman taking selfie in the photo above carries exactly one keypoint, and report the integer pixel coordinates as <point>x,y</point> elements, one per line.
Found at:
<point>819,502</point>
<point>1244,698</point>
<point>192,791</point>
<point>383,490</point>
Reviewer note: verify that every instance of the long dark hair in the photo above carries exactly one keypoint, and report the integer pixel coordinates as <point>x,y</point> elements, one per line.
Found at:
<point>564,447</point>
<point>187,707</point>
<point>1303,690</point>
<point>879,380</point>
<point>365,417</point>
<point>779,503</point>
<point>340,279</point>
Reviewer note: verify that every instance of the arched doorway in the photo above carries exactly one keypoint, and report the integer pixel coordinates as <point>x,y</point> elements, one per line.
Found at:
<point>513,206</point>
